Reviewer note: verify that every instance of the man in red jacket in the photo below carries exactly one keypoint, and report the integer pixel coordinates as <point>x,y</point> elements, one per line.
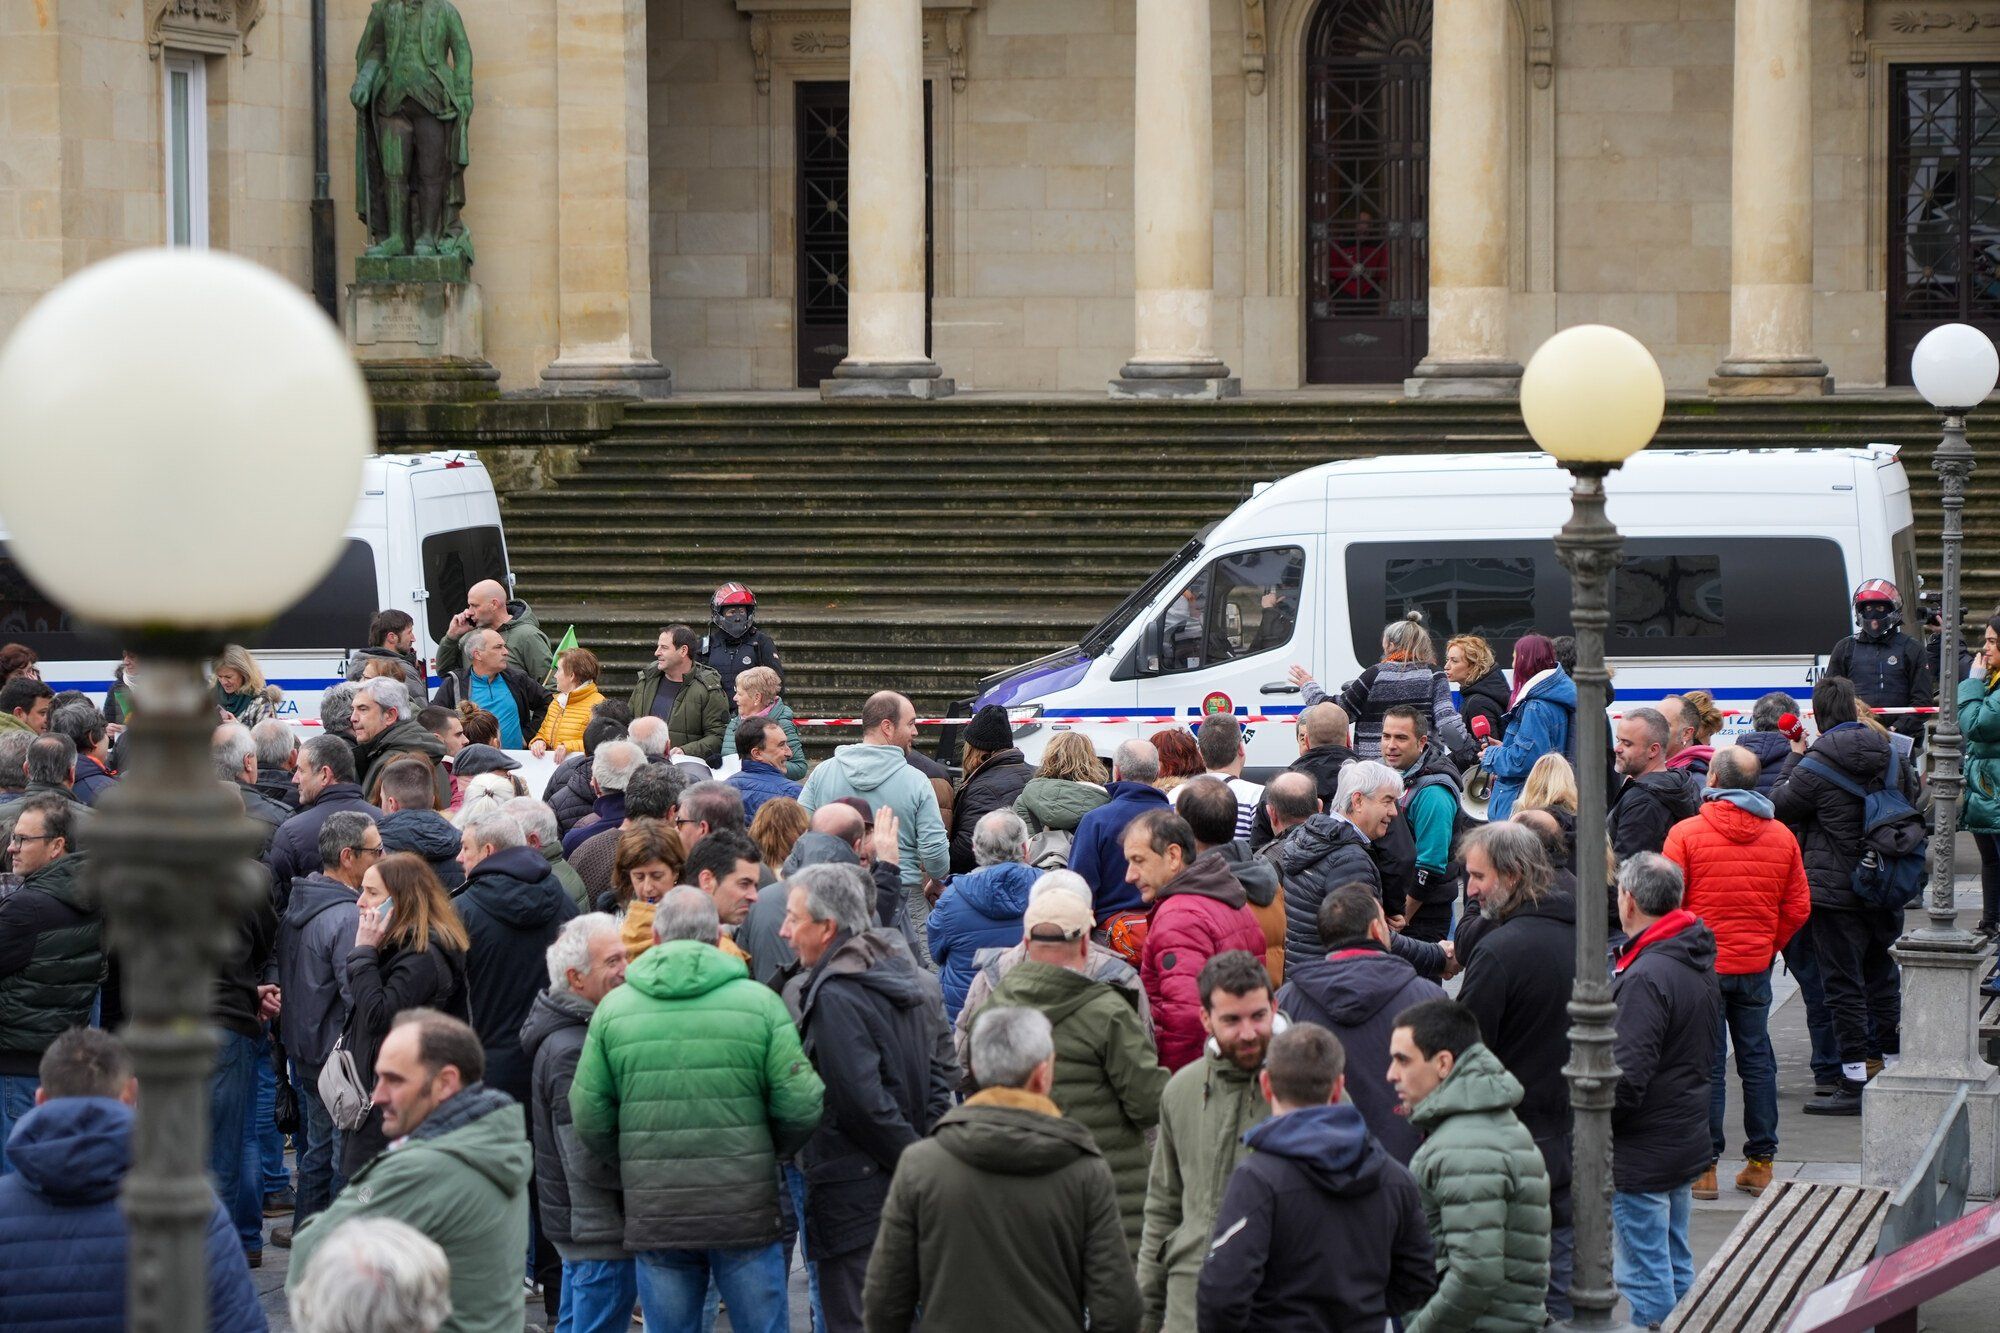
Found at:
<point>1198,911</point>
<point>1747,883</point>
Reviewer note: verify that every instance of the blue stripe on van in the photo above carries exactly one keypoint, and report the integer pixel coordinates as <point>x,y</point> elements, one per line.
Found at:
<point>287,683</point>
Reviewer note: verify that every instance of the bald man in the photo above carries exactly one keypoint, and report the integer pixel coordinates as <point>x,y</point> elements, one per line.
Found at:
<point>487,607</point>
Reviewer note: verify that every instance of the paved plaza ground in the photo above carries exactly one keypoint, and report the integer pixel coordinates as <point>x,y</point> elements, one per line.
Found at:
<point>1815,1148</point>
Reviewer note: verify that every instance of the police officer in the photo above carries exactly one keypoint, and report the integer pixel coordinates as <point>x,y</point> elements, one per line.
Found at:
<point>733,643</point>
<point>1886,665</point>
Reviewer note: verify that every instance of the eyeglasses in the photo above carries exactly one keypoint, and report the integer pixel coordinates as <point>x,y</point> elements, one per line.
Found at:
<point>679,822</point>
<point>376,850</point>
<point>17,839</point>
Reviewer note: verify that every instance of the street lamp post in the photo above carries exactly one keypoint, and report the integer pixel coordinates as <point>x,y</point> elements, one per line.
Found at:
<point>1592,397</point>
<point>172,378</point>
<point>1954,368</point>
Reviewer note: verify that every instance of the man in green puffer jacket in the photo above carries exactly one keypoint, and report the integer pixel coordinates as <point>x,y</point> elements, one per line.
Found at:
<point>458,1170</point>
<point>51,950</point>
<point>692,1080</point>
<point>1108,1078</point>
<point>1484,1184</point>
<point>687,695</point>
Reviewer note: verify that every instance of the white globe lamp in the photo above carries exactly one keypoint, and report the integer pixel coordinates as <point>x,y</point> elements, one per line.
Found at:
<point>1592,395</point>
<point>1954,367</point>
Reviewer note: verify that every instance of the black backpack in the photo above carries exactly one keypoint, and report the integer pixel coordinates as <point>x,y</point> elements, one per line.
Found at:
<point>1895,845</point>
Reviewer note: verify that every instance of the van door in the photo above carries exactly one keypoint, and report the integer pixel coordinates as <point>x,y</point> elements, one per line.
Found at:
<point>458,540</point>
<point>1225,638</point>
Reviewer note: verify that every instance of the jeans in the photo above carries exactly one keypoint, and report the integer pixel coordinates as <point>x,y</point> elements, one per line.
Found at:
<point>795,1184</point>
<point>598,1295</point>
<point>270,1143</point>
<point>17,1098</point>
<point>319,1164</point>
<point>1651,1261</point>
<point>1862,993</point>
<point>672,1284</point>
<point>232,1106</point>
<point>1802,961</point>
<point>1746,1022</point>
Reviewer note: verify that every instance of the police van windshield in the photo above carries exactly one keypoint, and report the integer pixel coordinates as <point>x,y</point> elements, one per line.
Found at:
<point>1108,629</point>
<point>453,562</point>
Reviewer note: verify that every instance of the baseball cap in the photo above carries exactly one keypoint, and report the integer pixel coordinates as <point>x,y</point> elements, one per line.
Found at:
<point>1057,916</point>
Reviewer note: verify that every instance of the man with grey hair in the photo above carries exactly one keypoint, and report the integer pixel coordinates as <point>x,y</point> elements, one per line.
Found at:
<point>14,763</point>
<point>611,771</point>
<point>1668,1009</point>
<point>370,1274</point>
<point>1007,1217</point>
<point>235,754</point>
<point>1329,850</point>
<point>277,761</point>
<point>874,1033</point>
<point>385,730</point>
<point>1652,798</point>
<point>649,733</point>
<point>708,807</point>
<point>692,1081</point>
<point>326,786</point>
<point>86,728</point>
<point>49,767</point>
<point>1518,986</point>
<point>336,710</point>
<point>1772,738</point>
<point>538,826</point>
<point>1098,850</point>
<point>517,700</point>
<point>314,936</point>
<point>582,1207</point>
<point>981,909</point>
<point>1100,964</point>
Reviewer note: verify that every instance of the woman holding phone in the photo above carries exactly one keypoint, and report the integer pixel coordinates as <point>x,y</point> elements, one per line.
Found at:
<point>409,953</point>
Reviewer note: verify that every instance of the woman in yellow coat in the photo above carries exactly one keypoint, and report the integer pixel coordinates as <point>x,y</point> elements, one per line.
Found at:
<point>569,713</point>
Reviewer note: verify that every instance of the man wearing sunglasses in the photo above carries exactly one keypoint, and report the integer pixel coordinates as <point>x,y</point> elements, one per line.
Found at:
<point>51,952</point>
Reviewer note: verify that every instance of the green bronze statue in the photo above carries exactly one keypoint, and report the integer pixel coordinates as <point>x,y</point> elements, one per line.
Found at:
<point>413,98</point>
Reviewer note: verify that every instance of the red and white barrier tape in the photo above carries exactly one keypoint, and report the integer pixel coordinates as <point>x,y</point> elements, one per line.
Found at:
<point>1170,719</point>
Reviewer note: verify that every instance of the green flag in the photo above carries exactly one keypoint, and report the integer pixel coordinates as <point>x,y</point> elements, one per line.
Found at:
<point>568,642</point>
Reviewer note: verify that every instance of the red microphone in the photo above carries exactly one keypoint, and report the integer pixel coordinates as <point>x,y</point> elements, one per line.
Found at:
<point>1481,728</point>
<point>1789,726</point>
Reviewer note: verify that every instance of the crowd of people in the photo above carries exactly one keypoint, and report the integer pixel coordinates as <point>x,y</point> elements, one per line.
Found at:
<point>1032,1045</point>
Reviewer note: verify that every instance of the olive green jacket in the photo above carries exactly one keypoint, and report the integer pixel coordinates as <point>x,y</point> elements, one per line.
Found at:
<point>700,714</point>
<point>1057,803</point>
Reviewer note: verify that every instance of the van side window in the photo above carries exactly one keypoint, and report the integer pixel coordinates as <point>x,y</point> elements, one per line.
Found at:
<point>453,562</point>
<point>1238,605</point>
<point>1668,597</point>
<point>1493,595</point>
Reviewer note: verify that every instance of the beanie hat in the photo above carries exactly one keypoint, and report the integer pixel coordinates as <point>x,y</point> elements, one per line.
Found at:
<point>989,730</point>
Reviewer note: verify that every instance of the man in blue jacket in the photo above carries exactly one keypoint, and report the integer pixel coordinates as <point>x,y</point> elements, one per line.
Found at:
<point>1098,852</point>
<point>63,1240</point>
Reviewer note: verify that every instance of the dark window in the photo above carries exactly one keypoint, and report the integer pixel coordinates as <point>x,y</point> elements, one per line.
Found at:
<point>1944,204</point>
<point>453,562</point>
<point>1667,597</point>
<point>1237,606</point>
<point>1734,597</point>
<point>333,615</point>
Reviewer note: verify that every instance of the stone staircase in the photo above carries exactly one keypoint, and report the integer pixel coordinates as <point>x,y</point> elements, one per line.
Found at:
<point>923,546</point>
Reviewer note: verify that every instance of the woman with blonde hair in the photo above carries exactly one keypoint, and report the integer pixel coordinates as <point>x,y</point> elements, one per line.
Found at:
<point>757,696</point>
<point>1551,785</point>
<point>1469,663</point>
<point>240,690</point>
<point>409,953</point>
<point>569,712</point>
<point>648,862</point>
<point>780,822</point>
<point>1068,785</point>
<point>1408,675</point>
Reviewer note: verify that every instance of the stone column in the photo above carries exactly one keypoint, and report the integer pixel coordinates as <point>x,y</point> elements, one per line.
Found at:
<point>886,317</point>
<point>604,285</point>
<point>1770,210</point>
<point>1173,196</point>
<point>1469,207</point>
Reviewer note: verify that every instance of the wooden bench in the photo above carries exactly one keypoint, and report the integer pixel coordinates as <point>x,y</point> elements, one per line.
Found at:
<point>1797,1238</point>
<point>1989,1028</point>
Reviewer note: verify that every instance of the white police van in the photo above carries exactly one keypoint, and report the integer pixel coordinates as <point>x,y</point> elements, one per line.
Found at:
<point>1736,577</point>
<point>425,528</point>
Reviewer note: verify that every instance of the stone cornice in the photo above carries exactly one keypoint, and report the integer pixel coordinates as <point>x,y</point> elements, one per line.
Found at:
<point>811,29</point>
<point>213,27</point>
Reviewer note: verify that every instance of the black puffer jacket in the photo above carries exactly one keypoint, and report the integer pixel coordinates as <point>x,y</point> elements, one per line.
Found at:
<point>430,835</point>
<point>1773,752</point>
<point>1518,987</point>
<point>1314,859</point>
<point>382,983</point>
<point>51,962</point>
<point>872,1031</point>
<point>1486,697</point>
<point>1668,1009</point>
<point>569,793</point>
<point>1324,762</point>
<point>994,785</point>
<point>1827,820</point>
<point>294,849</point>
<point>583,1207</point>
<point>1645,807</point>
<point>513,906</point>
<point>406,740</point>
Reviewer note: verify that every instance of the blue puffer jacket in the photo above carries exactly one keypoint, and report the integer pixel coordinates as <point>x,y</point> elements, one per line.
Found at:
<point>981,910</point>
<point>1772,751</point>
<point>1542,722</point>
<point>759,782</point>
<point>63,1241</point>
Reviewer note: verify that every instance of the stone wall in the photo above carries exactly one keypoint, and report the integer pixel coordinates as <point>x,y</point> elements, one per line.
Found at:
<point>82,173</point>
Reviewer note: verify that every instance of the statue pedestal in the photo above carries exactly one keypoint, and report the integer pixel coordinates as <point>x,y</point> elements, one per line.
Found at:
<point>418,328</point>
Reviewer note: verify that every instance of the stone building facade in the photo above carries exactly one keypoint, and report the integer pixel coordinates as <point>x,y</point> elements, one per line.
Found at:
<point>1767,192</point>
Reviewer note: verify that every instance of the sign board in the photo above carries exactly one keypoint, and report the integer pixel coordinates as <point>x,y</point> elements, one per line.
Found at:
<point>1899,1282</point>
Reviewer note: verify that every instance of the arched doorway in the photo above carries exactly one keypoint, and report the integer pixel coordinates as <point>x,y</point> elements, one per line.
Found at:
<point>1367,179</point>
